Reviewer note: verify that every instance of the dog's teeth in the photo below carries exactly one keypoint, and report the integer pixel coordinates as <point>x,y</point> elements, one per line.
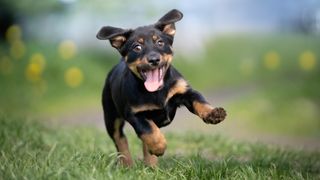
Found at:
<point>160,74</point>
<point>162,70</point>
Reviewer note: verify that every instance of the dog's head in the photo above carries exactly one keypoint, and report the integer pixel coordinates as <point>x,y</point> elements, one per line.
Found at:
<point>147,50</point>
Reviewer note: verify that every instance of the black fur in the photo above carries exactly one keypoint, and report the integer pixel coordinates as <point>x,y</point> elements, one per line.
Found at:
<point>124,86</point>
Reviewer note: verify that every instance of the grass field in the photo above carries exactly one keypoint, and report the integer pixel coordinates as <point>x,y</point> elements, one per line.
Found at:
<point>31,150</point>
<point>282,70</point>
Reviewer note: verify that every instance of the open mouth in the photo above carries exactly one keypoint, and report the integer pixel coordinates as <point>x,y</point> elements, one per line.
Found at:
<point>153,77</point>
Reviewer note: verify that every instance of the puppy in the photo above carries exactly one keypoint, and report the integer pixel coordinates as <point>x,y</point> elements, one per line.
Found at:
<point>145,90</point>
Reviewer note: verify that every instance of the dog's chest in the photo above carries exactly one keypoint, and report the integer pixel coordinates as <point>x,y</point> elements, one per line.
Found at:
<point>145,102</point>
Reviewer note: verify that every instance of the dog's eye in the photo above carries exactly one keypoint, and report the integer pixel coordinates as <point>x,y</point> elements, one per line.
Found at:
<point>137,48</point>
<point>160,43</point>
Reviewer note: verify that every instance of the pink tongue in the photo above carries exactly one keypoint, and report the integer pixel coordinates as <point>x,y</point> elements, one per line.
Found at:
<point>152,82</point>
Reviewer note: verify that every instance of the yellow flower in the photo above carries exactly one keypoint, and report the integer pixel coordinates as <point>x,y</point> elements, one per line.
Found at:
<point>6,65</point>
<point>13,33</point>
<point>33,72</point>
<point>272,60</point>
<point>17,49</point>
<point>67,49</point>
<point>73,77</point>
<point>38,58</point>
<point>307,61</point>
<point>35,67</point>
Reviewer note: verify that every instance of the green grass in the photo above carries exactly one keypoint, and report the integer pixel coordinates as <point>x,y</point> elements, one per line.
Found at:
<point>285,102</point>
<point>32,150</point>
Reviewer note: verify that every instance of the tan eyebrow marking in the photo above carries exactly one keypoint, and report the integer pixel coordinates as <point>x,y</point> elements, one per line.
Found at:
<point>141,40</point>
<point>155,37</point>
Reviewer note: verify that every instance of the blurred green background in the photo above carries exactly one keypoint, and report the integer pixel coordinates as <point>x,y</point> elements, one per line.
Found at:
<point>259,60</point>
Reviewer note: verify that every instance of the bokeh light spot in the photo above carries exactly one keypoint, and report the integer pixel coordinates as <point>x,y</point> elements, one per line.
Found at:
<point>17,49</point>
<point>272,60</point>
<point>6,65</point>
<point>307,61</point>
<point>38,58</point>
<point>13,33</point>
<point>73,77</point>
<point>35,67</point>
<point>34,72</point>
<point>67,49</point>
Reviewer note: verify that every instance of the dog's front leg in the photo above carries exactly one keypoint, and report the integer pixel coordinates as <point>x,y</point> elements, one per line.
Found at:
<point>154,142</point>
<point>197,104</point>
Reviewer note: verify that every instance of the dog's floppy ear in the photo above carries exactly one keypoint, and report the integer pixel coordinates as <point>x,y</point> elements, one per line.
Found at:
<point>166,23</point>
<point>116,36</point>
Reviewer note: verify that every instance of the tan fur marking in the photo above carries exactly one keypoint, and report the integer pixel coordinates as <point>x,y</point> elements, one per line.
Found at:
<point>155,37</point>
<point>145,107</point>
<point>171,48</point>
<point>133,66</point>
<point>122,145</point>
<point>119,38</point>
<point>149,159</point>
<point>117,41</point>
<point>134,69</point>
<point>180,87</point>
<point>201,109</point>
<point>154,141</point>
<point>169,29</point>
<point>141,40</point>
<point>168,58</point>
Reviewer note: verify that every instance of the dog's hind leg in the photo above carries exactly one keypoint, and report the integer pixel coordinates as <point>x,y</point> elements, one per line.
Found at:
<point>114,126</point>
<point>115,131</point>
<point>121,142</point>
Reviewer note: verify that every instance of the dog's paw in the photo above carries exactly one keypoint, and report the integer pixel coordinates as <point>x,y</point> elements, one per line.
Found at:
<point>155,143</point>
<point>157,149</point>
<point>215,116</point>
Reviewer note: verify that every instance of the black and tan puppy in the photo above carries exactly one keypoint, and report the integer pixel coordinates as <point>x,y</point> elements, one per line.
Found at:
<point>145,90</point>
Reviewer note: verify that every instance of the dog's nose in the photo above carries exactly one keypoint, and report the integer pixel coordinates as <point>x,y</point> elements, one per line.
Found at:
<point>154,59</point>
